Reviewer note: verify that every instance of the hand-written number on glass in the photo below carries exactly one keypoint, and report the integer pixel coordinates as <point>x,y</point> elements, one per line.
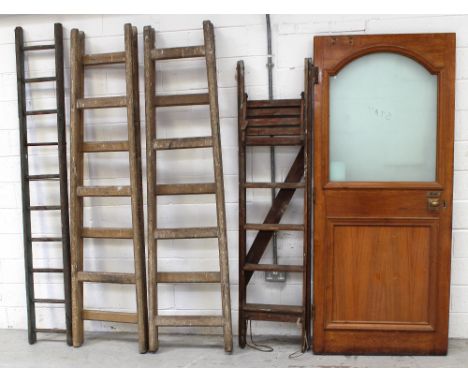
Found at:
<point>379,113</point>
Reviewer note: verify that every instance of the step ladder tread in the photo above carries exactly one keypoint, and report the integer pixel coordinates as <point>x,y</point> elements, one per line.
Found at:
<point>104,146</point>
<point>293,102</point>
<point>101,102</point>
<point>274,121</point>
<point>40,79</point>
<point>178,321</point>
<point>188,277</point>
<point>291,185</point>
<point>274,141</point>
<point>186,189</point>
<point>100,315</point>
<point>273,112</point>
<point>182,100</point>
<point>104,58</point>
<point>274,308</point>
<point>107,233</point>
<point>183,143</point>
<point>274,227</point>
<point>106,277</point>
<point>273,268</point>
<point>186,233</point>
<point>178,52</point>
<point>278,131</point>
<point>103,191</point>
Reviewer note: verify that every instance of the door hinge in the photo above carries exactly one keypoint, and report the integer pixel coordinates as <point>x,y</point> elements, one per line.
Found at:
<point>312,312</point>
<point>317,72</point>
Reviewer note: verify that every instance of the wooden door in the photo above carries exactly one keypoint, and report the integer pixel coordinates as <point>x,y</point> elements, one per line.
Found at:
<point>383,173</point>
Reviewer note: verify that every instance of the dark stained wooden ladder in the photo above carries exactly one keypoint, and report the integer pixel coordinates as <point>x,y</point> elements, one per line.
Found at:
<point>284,122</point>
<point>79,61</point>
<point>154,144</point>
<point>31,301</point>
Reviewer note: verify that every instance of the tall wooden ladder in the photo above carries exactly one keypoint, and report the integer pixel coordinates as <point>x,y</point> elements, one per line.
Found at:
<point>154,144</point>
<point>61,178</point>
<point>79,61</point>
<point>285,122</point>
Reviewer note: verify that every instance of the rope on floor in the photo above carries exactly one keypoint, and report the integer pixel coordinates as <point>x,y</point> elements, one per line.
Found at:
<point>255,346</point>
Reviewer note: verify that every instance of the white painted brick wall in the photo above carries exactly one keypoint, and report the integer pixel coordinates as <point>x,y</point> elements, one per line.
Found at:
<point>237,37</point>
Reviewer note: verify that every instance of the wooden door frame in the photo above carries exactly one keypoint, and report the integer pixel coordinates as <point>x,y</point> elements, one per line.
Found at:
<point>436,52</point>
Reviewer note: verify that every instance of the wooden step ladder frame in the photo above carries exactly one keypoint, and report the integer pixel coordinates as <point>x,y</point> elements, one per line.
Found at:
<point>153,101</point>
<point>276,128</point>
<point>79,60</point>
<point>61,144</point>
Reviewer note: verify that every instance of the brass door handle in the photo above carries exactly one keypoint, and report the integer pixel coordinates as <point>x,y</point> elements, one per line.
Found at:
<point>434,203</point>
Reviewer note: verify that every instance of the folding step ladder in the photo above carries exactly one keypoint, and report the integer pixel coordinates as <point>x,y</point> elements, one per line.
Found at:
<point>154,144</point>
<point>79,61</point>
<point>61,178</point>
<point>275,123</point>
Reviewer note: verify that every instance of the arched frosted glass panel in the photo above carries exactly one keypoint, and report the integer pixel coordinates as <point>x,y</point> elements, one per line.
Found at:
<point>383,120</point>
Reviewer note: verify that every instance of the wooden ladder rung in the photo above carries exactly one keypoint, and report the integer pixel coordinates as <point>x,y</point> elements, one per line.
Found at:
<point>272,308</point>
<point>47,270</point>
<point>103,191</point>
<point>41,112</point>
<point>274,112</point>
<point>104,58</point>
<point>106,277</point>
<point>267,312</point>
<point>185,189</point>
<point>49,301</point>
<point>274,227</point>
<point>277,103</point>
<point>273,268</point>
<point>188,321</point>
<point>40,79</point>
<point>100,315</point>
<point>183,143</point>
<point>107,233</point>
<point>45,330</point>
<point>274,121</point>
<point>104,146</point>
<point>185,233</point>
<point>182,100</point>
<point>188,277</point>
<point>39,239</point>
<point>45,208</point>
<point>101,102</point>
<point>39,47</point>
<point>42,144</point>
<point>177,53</point>
<point>273,185</point>
<point>274,131</point>
<point>274,141</point>
<point>44,177</point>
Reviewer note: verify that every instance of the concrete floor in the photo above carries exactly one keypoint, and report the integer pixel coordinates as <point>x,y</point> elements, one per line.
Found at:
<point>120,350</point>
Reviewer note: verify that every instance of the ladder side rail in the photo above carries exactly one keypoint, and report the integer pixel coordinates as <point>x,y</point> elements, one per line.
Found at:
<point>218,170</point>
<point>76,180</point>
<point>62,157</point>
<point>26,202</point>
<point>151,155</point>
<point>133,123</point>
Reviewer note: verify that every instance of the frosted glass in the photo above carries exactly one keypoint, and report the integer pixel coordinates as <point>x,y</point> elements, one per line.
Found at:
<point>383,120</point>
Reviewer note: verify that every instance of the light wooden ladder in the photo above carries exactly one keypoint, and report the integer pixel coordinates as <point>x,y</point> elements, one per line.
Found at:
<point>79,60</point>
<point>153,144</point>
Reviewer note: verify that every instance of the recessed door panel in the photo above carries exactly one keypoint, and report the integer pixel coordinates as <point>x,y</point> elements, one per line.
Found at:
<point>383,173</point>
<point>384,274</point>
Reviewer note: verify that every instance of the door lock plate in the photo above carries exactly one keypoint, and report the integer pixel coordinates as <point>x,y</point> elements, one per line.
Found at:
<point>433,201</point>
